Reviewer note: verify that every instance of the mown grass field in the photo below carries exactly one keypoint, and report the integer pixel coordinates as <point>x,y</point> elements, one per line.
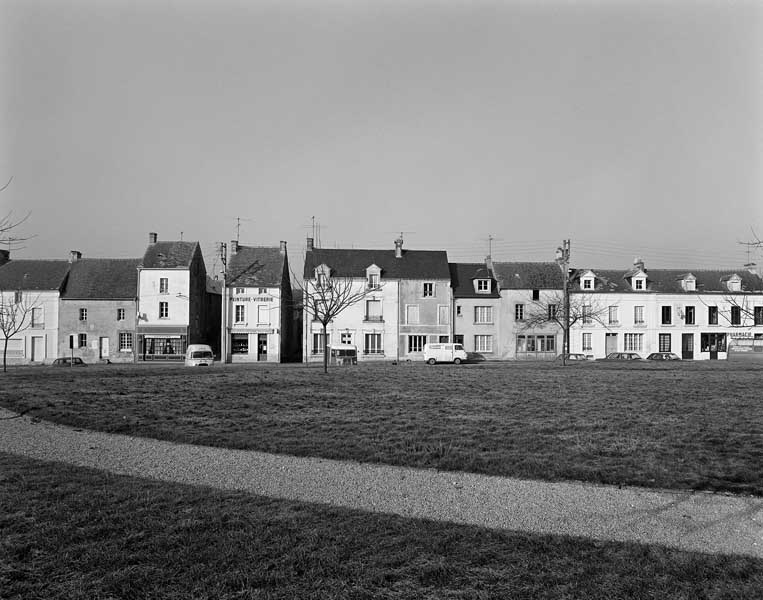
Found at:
<point>679,425</point>
<point>69,533</point>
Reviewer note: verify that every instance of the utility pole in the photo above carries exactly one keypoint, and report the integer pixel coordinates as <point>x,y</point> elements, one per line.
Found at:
<point>563,260</point>
<point>224,311</point>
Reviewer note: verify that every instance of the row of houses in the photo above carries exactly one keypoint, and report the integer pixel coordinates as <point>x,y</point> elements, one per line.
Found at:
<point>151,308</point>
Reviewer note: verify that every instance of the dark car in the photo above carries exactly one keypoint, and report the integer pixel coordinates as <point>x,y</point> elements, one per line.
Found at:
<point>622,356</point>
<point>75,361</point>
<point>663,356</point>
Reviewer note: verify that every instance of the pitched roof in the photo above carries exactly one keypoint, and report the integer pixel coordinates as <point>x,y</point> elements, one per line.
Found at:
<point>33,274</point>
<point>462,276</point>
<point>169,255</point>
<point>528,275</point>
<point>414,264</point>
<point>256,266</point>
<point>103,279</point>
<point>668,281</point>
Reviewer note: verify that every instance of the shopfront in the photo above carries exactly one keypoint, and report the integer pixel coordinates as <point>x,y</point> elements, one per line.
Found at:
<point>162,343</point>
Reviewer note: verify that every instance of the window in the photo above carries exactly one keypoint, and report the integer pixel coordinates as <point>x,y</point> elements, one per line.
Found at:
<point>83,314</point>
<point>374,310</point>
<point>240,311</point>
<point>125,341</point>
<point>416,343</point>
<point>483,343</point>
<point>553,310</point>
<point>712,315</point>
<point>587,314</point>
<point>322,282</point>
<point>164,285</point>
<point>373,343</point>
<point>443,314</point>
<point>82,341</point>
<point>634,342</point>
<point>412,313</point>
<point>689,285</point>
<point>519,312</point>
<point>712,342</point>
<point>373,280</point>
<point>164,310</point>
<point>262,291</point>
<point>483,314</point>
<point>458,310</point>
<point>263,314</point>
<point>613,320</point>
<point>318,342</point>
<point>239,343</point>
<point>17,296</point>
<point>38,322</point>
<point>587,284</point>
<point>664,342</point>
<point>639,284</point>
<point>535,343</point>
<point>587,341</point>
<point>758,315</point>
<point>120,314</point>
<point>428,290</point>
<point>345,338</point>
<point>536,295</point>
<point>483,286</point>
<point>638,315</point>
<point>736,315</point>
<point>239,290</point>
<point>667,316</point>
<point>690,315</point>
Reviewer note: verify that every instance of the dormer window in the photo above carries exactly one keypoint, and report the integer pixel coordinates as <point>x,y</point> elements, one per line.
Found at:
<point>587,284</point>
<point>322,274</point>
<point>639,283</point>
<point>689,283</point>
<point>734,283</point>
<point>373,277</point>
<point>483,286</point>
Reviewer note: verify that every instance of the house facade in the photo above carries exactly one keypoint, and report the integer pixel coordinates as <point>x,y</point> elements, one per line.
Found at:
<point>476,313</point>
<point>97,310</point>
<point>529,290</point>
<point>175,304</point>
<point>403,300</point>
<point>695,314</point>
<point>29,295</point>
<point>259,319</point>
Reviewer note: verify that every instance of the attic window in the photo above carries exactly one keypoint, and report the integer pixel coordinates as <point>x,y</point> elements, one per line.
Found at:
<point>734,284</point>
<point>690,285</point>
<point>638,283</point>
<point>588,284</point>
<point>373,281</point>
<point>483,286</point>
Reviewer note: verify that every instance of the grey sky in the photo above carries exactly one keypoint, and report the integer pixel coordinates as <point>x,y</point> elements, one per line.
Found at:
<point>633,128</point>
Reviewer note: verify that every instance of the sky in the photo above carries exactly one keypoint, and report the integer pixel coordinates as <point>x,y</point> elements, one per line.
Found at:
<point>632,128</point>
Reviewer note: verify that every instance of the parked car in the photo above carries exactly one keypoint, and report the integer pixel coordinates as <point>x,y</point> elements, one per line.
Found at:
<point>622,356</point>
<point>68,361</point>
<point>444,352</point>
<point>199,355</point>
<point>663,356</point>
<point>572,356</point>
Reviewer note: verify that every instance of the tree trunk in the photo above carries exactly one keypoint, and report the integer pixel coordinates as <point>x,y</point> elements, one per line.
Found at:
<point>5,354</point>
<point>325,351</point>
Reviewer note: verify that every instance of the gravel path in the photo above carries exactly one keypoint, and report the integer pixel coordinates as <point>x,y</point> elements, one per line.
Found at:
<point>704,522</point>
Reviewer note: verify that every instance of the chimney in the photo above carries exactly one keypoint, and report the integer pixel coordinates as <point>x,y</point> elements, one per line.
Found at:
<point>152,238</point>
<point>5,256</point>
<point>489,264</point>
<point>74,256</point>
<point>399,247</point>
<point>638,263</point>
<point>751,267</point>
<point>283,247</point>
<point>233,247</point>
<point>309,247</point>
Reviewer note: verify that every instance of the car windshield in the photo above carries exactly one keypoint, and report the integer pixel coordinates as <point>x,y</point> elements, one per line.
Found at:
<point>201,354</point>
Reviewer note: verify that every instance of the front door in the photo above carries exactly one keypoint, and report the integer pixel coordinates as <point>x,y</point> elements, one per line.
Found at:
<point>104,345</point>
<point>262,346</point>
<point>610,343</point>
<point>687,346</point>
<point>38,349</point>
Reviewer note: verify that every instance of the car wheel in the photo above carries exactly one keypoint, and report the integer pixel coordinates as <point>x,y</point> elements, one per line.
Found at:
<point>457,361</point>
<point>431,361</point>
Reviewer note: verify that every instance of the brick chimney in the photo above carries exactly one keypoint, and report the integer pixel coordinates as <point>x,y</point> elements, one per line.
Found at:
<point>152,238</point>
<point>283,247</point>
<point>309,247</point>
<point>399,247</point>
<point>74,256</point>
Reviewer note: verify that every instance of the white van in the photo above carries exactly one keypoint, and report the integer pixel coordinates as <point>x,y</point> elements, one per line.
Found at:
<point>199,355</point>
<point>434,353</point>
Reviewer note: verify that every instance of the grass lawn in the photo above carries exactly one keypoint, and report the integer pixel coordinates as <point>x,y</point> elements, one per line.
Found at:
<point>679,425</point>
<point>75,534</point>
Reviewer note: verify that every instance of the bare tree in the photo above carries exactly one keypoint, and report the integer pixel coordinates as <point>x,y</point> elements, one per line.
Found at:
<point>16,315</point>
<point>8,223</point>
<point>549,310</point>
<point>325,298</point>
